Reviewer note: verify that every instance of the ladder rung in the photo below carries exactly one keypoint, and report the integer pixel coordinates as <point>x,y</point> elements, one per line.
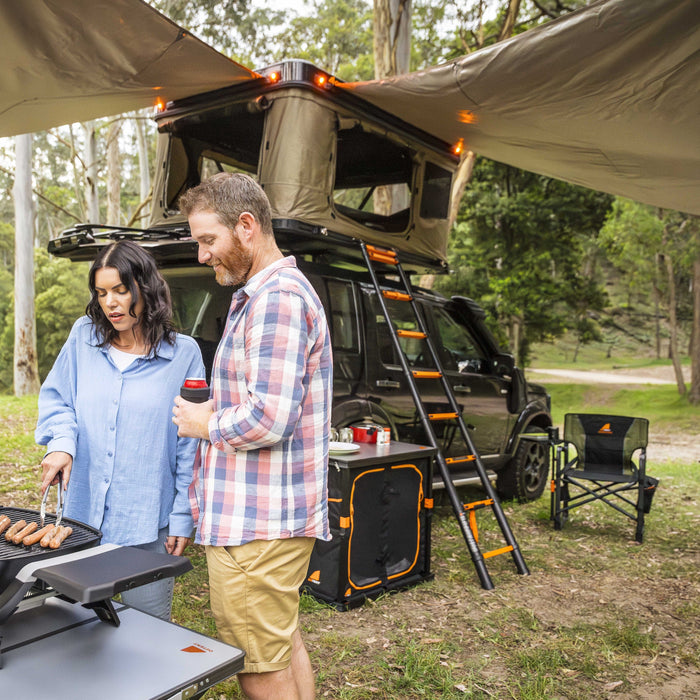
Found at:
<point>375,257</point>
<point>382,255</point>
<point>381,251</point>
<point>410,334</point>
<point>478,504</point>
<point>496,552</point>
<point>396,296</point>
<point>441,416</point>
<point>426,374</point>
<point>456,460</point>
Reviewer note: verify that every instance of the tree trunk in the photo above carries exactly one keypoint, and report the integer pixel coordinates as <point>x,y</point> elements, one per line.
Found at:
<point>144,169</point>
<point>392,56</point>
<point>92,202</point>
<point>113,174</point>
<point>466,167</point>
<point>695,352</point>
<point>672,320</point>
<point>657,309</point>
<point>26,371</point>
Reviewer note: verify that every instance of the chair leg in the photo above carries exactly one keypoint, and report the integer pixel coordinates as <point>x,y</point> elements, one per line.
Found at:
<point>639,533</point>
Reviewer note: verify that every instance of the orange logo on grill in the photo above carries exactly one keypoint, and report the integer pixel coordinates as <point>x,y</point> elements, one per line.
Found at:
<point>606,429</point>
<point>196,649</point>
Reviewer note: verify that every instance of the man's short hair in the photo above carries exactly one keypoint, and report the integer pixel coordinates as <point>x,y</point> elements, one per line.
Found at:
<point>228,195</point>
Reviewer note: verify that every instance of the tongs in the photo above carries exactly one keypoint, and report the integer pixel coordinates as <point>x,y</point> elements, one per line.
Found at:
<point>59,501</point>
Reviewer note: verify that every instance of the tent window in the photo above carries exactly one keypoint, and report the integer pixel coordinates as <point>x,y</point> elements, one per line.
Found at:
<point>373,180</point>
<point>437,182</point>
<point>225,139</point>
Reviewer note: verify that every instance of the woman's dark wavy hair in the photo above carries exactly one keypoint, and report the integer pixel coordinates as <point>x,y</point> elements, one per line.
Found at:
<point>139,274</point>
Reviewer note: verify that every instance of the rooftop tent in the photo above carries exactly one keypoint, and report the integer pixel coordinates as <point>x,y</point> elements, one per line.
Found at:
<point>74,60</point>
<point>606,97</point>
<point>320,158</point>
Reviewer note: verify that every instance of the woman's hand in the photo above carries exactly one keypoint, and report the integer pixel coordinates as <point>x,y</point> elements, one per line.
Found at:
<point>176,545</point>
<point>52,464</point>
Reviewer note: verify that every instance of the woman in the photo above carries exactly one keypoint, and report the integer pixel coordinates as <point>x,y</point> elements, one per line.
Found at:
<point>104,415</point>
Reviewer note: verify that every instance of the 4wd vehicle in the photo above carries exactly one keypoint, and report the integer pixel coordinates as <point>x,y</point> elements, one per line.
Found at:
<point>339,171</point>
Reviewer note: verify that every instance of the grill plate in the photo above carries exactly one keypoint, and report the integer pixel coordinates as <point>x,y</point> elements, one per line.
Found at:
<point>14,556</point>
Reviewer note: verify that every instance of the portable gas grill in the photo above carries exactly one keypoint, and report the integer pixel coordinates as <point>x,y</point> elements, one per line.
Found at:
<point>58,623</point>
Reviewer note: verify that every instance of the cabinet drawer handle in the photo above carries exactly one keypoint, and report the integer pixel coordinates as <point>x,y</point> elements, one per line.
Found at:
<point>462,389</point>
<point>388,383</point>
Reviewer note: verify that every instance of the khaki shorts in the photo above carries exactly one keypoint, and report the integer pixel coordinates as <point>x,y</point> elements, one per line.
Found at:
<point>254,591</point>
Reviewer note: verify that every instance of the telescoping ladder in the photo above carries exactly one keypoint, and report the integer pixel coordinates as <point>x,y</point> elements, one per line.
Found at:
<point>465,512</point>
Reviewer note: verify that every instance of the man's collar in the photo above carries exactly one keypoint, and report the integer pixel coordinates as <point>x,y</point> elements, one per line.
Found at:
<point>259,278</point>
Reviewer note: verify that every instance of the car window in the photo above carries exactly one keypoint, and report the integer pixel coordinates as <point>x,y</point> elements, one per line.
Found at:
<point>342,316</point>
<point>458,350</point>
<point>403,318</point>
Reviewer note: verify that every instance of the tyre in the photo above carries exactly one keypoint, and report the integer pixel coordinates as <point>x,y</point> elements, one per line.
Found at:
<point>526,474</point>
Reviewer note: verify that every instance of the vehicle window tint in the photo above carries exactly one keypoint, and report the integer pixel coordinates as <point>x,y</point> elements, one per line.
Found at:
<point>373,178</point>
<point>342,316</point>
<point>458,350</point>
<point>415,349</point>
<point>435,201</point>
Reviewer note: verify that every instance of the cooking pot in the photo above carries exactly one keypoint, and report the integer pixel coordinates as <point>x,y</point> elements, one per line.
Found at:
<point>365,432</point>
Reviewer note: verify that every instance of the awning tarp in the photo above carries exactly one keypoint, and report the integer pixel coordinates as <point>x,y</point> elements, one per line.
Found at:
<point>64,61</point>
<point>607,97</point>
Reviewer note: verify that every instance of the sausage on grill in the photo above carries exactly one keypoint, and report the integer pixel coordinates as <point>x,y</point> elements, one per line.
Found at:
<point>26,530</point>
<point>47,537</point>
<point>4,523</point>
<point>14,529</point>
<point>29,540</point>
<point>60,536</point>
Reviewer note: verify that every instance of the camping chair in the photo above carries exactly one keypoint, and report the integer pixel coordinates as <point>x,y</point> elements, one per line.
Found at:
<point>602,468</point>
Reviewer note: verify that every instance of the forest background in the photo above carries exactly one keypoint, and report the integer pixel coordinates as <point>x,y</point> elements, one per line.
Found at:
<point>548,260</point>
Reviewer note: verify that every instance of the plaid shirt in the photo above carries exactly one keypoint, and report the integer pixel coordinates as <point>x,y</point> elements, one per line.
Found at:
<point>263,473</point>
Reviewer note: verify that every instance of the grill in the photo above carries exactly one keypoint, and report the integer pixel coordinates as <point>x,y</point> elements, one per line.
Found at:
<point>13,557</point>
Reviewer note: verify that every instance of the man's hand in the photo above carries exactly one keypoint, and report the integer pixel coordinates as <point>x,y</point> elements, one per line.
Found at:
<point>192,419</point>
<point>176,545</point>
<point>53,463</point>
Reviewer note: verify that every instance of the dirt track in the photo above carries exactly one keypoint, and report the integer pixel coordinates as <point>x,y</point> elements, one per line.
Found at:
<point>664,445</point>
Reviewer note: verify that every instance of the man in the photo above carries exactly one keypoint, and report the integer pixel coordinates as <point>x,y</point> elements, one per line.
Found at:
<point>259,495</point>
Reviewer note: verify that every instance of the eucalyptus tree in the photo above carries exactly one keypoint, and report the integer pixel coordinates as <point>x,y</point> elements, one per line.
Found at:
<point>657,253</point>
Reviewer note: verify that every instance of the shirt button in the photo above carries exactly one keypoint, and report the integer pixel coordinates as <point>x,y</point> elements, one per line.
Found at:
<point>106,481</point>
<point>109,454</point>
<point>114,402</point>
<point>111,427</point>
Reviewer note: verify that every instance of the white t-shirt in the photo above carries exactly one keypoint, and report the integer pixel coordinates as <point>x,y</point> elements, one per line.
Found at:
<point>122,359</point>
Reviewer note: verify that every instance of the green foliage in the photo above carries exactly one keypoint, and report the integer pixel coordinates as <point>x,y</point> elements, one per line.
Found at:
<point>519,249</point>
<point>61,295</point>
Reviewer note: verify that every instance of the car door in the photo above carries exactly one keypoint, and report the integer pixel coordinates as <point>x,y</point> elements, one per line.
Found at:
<point>387,382</point>
<point>470,370</point>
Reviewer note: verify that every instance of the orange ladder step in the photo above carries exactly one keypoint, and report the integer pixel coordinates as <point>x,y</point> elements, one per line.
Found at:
<point>396,296</point>
<point>426,374</point>
<point>442,416</point>
<point>411,334</point>
<point>457,460</point>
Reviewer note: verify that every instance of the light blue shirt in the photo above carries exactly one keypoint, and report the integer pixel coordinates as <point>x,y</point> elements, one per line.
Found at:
<point>131,472</point>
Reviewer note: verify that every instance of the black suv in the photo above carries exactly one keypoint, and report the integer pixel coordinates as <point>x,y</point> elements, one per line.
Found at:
<point>338,171</point>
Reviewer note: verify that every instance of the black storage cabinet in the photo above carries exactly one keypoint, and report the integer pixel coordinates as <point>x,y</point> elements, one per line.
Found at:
<point>380,506</point>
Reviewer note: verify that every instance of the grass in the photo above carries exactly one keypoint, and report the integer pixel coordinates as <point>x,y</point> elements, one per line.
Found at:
<point>599,616</point>
<point>662,405</point>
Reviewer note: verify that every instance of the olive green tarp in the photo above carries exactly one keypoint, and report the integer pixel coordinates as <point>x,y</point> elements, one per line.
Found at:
<point>606,97</point>
<point>64,61</point>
